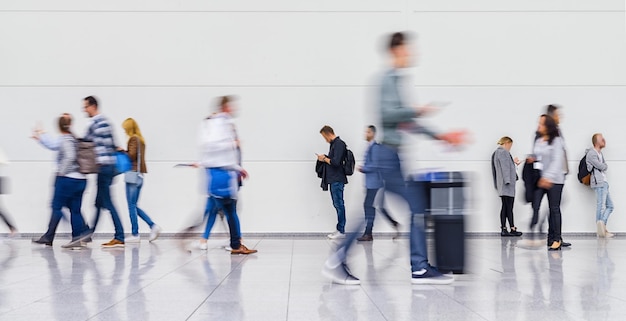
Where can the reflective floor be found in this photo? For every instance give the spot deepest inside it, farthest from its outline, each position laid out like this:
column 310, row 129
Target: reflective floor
column 160, row 281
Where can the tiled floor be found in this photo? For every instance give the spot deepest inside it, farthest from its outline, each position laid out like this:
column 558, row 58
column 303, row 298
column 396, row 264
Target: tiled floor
column 160, row 281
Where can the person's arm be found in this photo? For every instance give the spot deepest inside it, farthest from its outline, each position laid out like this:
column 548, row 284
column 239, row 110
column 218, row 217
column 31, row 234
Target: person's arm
column 49, row 142
column 132, row 149
column 502, row 161
column 593, row 159
column 339, row 150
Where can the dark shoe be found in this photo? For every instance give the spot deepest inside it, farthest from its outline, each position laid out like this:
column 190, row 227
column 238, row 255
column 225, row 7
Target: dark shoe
column 430, row 275
column 365, row 238
column 556, row 246
column 43, row 241
column 242, row 250
column 505, row 232
column 565, row 244
column 514, row 232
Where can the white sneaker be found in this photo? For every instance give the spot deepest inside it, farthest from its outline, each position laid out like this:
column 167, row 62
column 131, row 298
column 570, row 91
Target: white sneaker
column 336, row 235
column 199, row 245
column 132, row 239
column 155, row 231
column 340, row 274
column 601, row 229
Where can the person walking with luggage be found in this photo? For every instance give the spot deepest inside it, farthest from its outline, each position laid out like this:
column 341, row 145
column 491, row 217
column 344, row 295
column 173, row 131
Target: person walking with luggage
column 596, row 164
column 136, row 150
column 3, row 215
column 395, row 115
column 101, row 133
column 69, row 184
column 373, row 184
column 504, row 172
column 334, row 176
column 549, row 156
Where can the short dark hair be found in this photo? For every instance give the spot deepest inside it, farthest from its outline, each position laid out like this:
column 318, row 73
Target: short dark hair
column 327, row 130
column 397, row 39
column 92, row 101
column 372, row 128
column 551, row 109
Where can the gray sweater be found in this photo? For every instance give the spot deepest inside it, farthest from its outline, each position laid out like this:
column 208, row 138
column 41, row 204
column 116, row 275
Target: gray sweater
column 506, row 174
column 66, row 158
column 552, row 158
column 599, row 167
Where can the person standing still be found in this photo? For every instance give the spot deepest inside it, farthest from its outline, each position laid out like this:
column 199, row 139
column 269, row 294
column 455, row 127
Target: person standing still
column 596, row 164
column 335, row 177
column 504, row 170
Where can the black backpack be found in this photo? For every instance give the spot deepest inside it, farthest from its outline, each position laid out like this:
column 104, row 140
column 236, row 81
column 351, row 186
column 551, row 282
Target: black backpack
column 348, row 162
column 584, row 175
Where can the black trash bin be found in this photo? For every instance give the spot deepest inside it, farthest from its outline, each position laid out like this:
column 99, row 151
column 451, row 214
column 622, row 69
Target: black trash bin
column 446, row 208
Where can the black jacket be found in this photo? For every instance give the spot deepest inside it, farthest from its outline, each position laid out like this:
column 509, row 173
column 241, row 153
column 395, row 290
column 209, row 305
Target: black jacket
column 333, row 172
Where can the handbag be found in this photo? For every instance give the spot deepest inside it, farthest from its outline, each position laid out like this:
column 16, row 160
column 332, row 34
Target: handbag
column 122, row 162
column 135, row 177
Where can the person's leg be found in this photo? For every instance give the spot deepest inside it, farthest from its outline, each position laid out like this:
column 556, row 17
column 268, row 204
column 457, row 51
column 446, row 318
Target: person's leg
column 383, row 210
column 229, row 206
column 141, row 213
column 608, row 204
column 336, row 193
column 554, row 203
column 77, row 188
column 503, row 213
column 132, row 194
column 536, row 205
column 4, row 218
column 58, row 200
column 210, row 211
column 368, row 207
column 107, row 173
column 509, row 202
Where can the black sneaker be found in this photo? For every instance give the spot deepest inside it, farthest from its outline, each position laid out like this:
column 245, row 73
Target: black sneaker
column 514, row 232
column 505, row 232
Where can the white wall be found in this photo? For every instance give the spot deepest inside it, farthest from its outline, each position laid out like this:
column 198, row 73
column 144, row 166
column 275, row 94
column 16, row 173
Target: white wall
column 298, row 65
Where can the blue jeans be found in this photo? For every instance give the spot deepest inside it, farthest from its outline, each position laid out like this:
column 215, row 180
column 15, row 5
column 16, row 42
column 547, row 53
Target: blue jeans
column 132, row 197
column 229, row 206
column 336, row 193
column 210, row 211
column 103, row 199
column 394, row 182
column 68, row 192
column 604, row 204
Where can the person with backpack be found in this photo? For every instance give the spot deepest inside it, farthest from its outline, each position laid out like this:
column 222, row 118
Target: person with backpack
column 334, row 176
column 596, row 165
column 504, row 171
column 69, row 183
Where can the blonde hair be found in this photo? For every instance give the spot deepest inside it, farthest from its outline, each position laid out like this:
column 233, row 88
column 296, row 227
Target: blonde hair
column 504, row 140
column 132, row 129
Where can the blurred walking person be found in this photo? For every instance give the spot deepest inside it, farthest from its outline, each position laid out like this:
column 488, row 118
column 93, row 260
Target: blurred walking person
column 69, row 184
column 136, row 149
column 3, row 215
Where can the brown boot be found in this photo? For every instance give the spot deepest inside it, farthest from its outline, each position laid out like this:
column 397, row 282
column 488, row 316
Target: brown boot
column 365, row 238
column 242, row 250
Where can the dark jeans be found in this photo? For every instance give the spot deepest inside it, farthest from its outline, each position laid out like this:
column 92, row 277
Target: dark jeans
column 103, row 199
column 68, row 192
column 506, row 212
column 229, row 206
column 336, row 193
column 554, row 217
column 370, row 209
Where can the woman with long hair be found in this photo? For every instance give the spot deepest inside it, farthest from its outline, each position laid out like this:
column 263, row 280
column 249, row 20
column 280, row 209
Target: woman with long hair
column 504, row 177
column 136, row 151
column 549, row 157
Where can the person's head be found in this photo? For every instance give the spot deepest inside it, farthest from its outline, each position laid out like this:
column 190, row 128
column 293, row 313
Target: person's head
column 328, row 133
column 506, row 142
column 90, row 105
column 598, row 141
column 225, row 104
column 554, row 111
column 370, row 133
column 547, row 127
column 131, row 128
column 65, row 123
column 400, row 50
